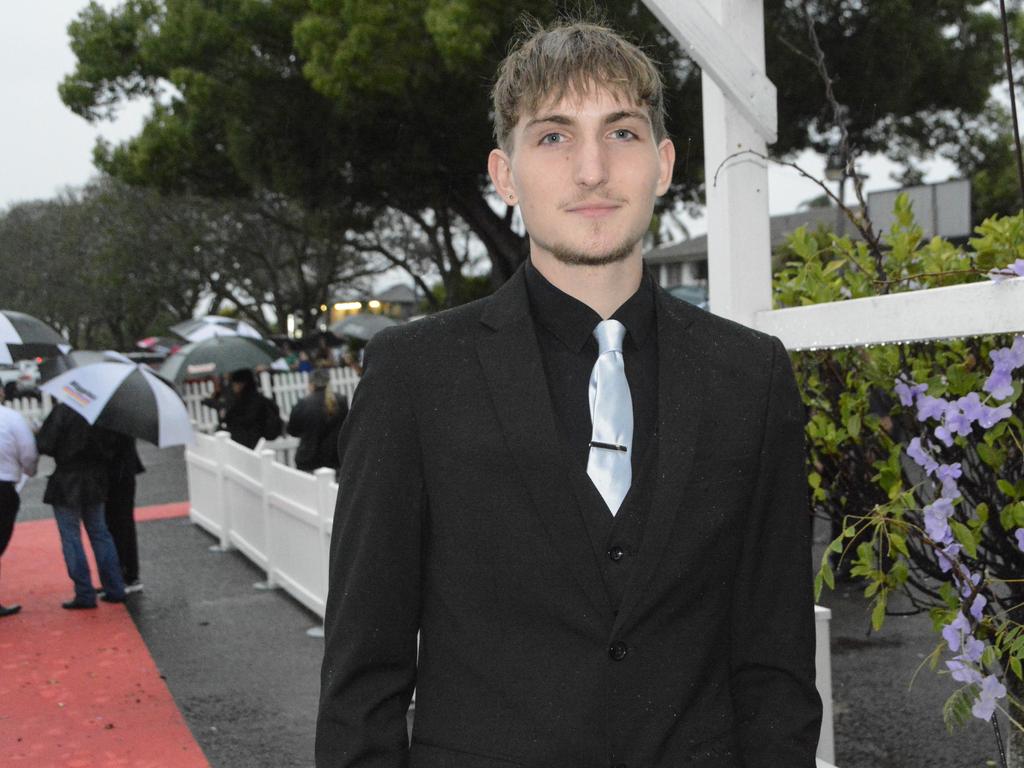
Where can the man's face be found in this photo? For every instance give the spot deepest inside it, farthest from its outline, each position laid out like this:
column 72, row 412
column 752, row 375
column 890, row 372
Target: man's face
column 585, row 172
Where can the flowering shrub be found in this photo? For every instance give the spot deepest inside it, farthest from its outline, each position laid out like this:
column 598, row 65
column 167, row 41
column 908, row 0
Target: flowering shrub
column 916, row 453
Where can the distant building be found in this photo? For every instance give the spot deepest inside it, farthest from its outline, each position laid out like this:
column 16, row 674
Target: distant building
column 398, row 301
column 686, row 263
column 942, row 209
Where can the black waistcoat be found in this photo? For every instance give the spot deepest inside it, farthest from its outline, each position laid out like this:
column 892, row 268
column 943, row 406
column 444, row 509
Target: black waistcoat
column 616, row 539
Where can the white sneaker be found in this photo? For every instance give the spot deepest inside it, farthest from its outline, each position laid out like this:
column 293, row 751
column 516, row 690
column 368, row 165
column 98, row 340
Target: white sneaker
column 135, row 586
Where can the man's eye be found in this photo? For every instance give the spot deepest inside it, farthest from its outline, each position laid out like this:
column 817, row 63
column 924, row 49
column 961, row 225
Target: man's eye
column 551, row 138
column 623, row 133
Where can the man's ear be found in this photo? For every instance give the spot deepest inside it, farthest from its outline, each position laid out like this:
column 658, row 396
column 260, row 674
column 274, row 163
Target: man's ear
column 499, row 166
column 666, row 163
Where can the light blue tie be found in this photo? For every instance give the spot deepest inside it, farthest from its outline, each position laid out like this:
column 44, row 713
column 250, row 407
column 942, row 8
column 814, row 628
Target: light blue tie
column 611, row 413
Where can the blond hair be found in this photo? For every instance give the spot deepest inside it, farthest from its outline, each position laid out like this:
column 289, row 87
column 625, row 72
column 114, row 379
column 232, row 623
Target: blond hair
column 572, row 57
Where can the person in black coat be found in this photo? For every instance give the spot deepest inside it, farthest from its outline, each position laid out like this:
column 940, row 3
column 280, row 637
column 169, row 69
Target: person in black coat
column 543, row 619
column 250, row 415
column 77, row 489
column 316, row 420
column 124, row 465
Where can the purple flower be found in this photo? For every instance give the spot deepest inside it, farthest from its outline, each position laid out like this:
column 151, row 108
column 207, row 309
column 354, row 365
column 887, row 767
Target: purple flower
column 985, row 706
column 968, row 582
column 962, row 672
column 936, row 517
column 1019, row 533
column 947, row 474
column 1017, row 267
column 992, row 416
column 907, row 391
column 943, row 436
column 958, row 422
column 1016, row 357
column 1010, row 270
column 929, row 407
column 920, row 456
column 954, row 632
column 978, row 606
column 973, row 648
column 970, row 406
column 947, row 552
column 999, row 384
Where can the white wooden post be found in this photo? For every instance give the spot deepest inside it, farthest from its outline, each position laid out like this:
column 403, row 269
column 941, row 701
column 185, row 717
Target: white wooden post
column 221, row 455
column 726, row 38
column 823, row 680
column 325, row 500
column 266, row 468
column 739, row 237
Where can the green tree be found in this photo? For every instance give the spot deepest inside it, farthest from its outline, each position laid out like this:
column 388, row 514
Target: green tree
column 359, row 108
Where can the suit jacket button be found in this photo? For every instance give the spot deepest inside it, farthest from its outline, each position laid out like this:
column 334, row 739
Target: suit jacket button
column 616, row 553
column 618, row 650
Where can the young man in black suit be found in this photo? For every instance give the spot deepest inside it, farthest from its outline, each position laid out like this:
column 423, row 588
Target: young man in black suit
column 578, row 526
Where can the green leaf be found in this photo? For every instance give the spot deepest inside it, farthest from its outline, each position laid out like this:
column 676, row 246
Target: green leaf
column 989, row 657
column 899, row 543
column 814, row 480
column 1016, row 667
column 957, row 709
column 853, row 424
column 991, row 456
column 981, row 512
column 965, row 536
column 878, row 613
column 1008, row 489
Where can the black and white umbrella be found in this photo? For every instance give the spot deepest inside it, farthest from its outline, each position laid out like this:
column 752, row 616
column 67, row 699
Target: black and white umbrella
column 23, row 336
column 124, row 396
column 208, row 327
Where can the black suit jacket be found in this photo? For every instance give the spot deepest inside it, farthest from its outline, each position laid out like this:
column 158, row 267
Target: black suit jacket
column 455, row 519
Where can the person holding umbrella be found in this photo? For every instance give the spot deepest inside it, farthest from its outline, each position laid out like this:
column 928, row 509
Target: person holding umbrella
column 18, row 456
column 124, row 465
column 77, row 490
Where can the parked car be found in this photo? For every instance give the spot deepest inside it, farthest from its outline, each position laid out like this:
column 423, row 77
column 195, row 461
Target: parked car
column 20, row 379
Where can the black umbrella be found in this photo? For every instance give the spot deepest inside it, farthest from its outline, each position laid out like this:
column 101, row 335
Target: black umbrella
column 362, row 326
column 202, row 328
column 124, row 396
column 23, row 336
column 217, row 356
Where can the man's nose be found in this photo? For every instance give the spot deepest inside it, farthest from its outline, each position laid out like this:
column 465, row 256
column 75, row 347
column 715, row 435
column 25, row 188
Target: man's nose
column 591, row 163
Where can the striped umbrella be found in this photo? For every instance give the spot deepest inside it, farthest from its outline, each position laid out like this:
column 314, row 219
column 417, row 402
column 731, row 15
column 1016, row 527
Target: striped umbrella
column 23, row 336
column 208, row 327
column 124, row 396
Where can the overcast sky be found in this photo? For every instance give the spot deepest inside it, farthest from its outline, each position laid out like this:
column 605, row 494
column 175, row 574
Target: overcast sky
column 45, row 148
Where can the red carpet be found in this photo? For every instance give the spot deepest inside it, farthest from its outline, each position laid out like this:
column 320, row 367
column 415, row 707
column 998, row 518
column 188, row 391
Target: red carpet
column 79, row 688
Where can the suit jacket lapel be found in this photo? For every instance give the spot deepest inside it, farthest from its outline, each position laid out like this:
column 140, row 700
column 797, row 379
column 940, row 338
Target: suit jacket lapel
column 517, row 382
column 681, row 388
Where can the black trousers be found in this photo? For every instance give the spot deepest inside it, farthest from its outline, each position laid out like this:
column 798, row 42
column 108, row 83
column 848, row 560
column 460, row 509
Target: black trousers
column 120, row 510
column 9, row 504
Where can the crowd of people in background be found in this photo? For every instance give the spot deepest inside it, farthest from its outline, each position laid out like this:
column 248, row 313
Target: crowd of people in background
column 92, row 486
column 94, row 477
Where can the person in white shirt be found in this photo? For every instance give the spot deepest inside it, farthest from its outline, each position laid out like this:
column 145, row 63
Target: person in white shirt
column 18, row 456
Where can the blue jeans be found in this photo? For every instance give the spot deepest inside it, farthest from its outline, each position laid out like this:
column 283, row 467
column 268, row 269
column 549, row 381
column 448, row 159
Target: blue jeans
column 68, row 524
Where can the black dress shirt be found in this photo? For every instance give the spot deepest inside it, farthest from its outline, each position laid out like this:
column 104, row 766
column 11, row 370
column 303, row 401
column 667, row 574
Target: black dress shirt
column 565, row 328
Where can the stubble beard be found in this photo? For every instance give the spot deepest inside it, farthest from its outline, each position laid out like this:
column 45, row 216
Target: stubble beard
column 578, row 258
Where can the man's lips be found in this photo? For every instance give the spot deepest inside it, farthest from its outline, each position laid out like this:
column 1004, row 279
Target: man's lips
column 594, row 210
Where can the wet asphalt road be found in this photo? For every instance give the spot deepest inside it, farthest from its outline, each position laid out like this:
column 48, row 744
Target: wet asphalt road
column 245, row 674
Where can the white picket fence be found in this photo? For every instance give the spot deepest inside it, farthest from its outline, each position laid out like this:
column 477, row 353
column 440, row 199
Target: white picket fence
column 285, row 388
column 281, row 520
